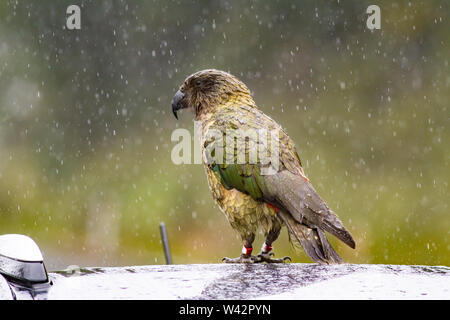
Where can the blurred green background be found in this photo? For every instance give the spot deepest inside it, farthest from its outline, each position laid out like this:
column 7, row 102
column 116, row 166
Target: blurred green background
column 85, row 123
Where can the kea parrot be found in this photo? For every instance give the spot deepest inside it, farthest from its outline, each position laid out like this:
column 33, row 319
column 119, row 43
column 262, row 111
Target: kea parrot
column 254, row 194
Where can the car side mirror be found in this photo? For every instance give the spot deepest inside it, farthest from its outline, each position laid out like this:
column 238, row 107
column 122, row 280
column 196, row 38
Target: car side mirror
column 21, row 261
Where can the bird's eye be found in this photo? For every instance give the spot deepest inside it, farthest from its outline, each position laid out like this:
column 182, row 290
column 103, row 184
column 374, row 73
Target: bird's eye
column 198, row 82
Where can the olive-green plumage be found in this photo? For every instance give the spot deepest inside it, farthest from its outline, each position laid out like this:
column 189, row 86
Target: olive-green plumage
column 249, row 196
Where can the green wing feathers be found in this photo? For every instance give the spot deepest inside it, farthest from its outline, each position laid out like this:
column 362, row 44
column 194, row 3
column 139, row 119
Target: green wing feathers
column 234, row 176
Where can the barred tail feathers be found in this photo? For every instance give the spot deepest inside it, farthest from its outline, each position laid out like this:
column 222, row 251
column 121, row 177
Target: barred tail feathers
column 313, row 241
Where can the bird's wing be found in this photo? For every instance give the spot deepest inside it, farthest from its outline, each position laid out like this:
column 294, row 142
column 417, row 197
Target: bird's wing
column 287, row 187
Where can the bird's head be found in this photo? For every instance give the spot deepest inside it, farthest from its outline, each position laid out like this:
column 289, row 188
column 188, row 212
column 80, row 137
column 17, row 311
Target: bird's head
column 207, row 90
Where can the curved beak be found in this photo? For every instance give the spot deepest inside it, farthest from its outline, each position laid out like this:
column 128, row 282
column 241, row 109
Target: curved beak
column 176, row 103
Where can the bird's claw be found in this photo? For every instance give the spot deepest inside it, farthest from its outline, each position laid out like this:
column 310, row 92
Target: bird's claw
column 242, row 259
column 262, row 257
column 266, row 257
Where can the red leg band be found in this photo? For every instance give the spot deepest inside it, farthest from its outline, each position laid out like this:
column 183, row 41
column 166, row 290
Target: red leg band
column 266, row 248
column 247, row 251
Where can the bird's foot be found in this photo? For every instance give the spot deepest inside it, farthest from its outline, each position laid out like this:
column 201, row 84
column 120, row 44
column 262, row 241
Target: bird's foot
column 267, row 257
column 243, row 258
